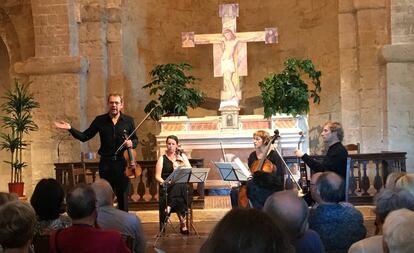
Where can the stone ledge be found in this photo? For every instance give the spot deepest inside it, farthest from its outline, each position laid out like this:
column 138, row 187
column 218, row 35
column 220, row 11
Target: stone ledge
column 398, row 53
column 52, row 65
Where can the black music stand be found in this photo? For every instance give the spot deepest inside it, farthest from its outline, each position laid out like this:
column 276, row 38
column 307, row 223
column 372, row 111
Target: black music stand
column 198, row 175
column 179, row 175
column 232, row 172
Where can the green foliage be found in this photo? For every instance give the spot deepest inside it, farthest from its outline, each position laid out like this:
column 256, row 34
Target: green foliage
column 18, row 107
column 287, row 92
column 169, row 84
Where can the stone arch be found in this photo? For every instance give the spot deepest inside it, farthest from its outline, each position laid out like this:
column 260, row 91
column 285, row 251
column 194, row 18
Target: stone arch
column 17, row 31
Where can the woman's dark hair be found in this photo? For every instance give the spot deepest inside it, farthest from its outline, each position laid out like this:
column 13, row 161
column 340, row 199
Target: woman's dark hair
column 247, row 231
column 48, row 199
column 172, row 137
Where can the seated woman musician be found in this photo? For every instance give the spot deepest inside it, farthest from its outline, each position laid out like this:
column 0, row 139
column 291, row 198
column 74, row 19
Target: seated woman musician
column 172, row 197
column 266, row 167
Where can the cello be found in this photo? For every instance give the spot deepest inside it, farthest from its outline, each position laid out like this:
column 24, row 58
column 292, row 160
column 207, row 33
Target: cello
column 263, row 164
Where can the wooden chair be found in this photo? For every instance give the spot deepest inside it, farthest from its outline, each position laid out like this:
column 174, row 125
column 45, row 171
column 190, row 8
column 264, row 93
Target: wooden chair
column 353, row 148
column 73, row 175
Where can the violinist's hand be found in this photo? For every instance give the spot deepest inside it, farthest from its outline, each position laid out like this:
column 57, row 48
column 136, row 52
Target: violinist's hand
column 128, row 143
column 62, row 125
column 299, row 153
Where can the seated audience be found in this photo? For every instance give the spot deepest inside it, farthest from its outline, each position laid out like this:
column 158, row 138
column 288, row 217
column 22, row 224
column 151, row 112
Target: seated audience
column 399, row 232
column 111, row 218
column 247, row 231
column 290, row 213
column 17, row 221
column 392, row 179
column 83, row 235
column 386, row 201
column 407, row 182
column 338, row 225
column 6, row 197
column 48, row 202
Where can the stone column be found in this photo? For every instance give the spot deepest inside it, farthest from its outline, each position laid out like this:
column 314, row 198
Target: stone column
column 399, row 57
column 57, row 73
column 363, row 28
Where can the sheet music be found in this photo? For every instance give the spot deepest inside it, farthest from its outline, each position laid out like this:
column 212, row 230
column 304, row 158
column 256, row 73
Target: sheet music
column 246, row 172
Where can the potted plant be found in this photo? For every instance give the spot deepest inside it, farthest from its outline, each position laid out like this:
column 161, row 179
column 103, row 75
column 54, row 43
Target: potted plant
column 287, row 92
column 18, row 108
column 170, row 84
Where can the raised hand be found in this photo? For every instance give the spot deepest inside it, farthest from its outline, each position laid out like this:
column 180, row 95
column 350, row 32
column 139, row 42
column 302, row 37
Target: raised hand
column 62, row 125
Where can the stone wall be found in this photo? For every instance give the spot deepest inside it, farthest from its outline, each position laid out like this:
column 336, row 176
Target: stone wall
column 77, row 51
column 363, row 30
column 399, row 57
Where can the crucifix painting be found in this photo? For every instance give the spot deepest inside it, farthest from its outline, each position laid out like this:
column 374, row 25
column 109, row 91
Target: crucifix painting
column 230, row 52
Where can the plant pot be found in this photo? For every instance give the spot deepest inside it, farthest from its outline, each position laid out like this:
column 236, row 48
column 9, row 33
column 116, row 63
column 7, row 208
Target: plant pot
column 16, row 188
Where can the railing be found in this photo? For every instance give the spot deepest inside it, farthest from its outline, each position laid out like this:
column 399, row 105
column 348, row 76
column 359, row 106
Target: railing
column 143, row 191
column 366, row 178
column 367, row 174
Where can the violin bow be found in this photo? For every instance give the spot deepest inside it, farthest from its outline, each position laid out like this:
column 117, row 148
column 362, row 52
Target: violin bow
column 139, row 125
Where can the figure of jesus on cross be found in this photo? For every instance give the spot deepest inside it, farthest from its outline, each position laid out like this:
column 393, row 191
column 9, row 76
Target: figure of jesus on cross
column 230, row 52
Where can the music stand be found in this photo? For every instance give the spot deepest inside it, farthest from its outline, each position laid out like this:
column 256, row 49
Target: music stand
column 198, row 175
column 179, row 175
column 233, row 171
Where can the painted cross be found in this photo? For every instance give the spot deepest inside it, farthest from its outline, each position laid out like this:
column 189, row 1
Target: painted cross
column 230, row 51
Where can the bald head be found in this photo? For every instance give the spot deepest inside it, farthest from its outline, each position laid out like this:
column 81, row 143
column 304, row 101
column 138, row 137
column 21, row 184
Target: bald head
column 330, row 187
column 289, row 212
column 314, row 194
column 104, row 192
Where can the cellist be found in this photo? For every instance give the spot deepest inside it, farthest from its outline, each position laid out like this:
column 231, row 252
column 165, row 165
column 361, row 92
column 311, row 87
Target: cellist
column 266, row 167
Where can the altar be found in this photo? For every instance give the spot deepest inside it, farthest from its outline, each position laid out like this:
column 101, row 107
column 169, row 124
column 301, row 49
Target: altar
column 230, row 135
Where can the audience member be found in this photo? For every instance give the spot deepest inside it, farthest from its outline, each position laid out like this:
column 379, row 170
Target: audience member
column 6, row 197
column 398, row 232
column 246, row 231
column 392, row 179
column 83, row 236
column 339, row 226
column 48, row 202
column 407, row 182
column 386, row 201
column 290, row 213
column 111, row 218
column 17, row 221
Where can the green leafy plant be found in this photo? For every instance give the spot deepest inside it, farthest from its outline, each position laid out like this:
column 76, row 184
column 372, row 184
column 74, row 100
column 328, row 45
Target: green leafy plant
column 18, row 107
column 287, row 92
column 170, row 83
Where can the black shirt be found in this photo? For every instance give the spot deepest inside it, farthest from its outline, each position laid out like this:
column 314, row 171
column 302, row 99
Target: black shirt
column 334, row 161
column 111, row 136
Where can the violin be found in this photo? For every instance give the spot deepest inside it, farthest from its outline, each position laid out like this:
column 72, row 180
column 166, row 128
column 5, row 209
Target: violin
column 132, row 168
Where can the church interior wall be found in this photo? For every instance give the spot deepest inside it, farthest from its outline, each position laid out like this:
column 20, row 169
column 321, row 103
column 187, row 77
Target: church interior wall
column 112, row 45
column 399, row 57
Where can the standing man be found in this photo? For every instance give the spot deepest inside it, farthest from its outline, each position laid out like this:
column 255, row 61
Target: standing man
column 112, row 128
column 335, row 160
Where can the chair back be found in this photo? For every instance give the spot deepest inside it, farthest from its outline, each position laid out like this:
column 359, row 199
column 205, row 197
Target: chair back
column 353, row 148
column 41, row 243
column 130, row 242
